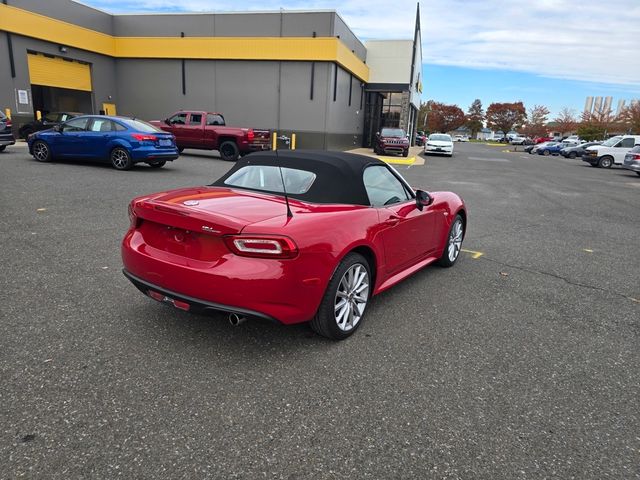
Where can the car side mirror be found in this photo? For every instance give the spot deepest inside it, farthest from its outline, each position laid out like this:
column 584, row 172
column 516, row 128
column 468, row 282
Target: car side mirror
column 423, row 199
column 166, row 120
column 377, row 134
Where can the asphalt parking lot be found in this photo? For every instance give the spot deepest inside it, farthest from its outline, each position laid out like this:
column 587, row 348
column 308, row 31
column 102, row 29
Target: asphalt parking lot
column 522, row 361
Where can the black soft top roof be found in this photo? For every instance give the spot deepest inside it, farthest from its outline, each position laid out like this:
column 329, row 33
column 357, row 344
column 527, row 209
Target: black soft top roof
column 338, row 174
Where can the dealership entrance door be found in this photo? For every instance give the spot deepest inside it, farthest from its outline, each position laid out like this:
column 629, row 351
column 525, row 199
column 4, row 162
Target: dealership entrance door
column 59, row 84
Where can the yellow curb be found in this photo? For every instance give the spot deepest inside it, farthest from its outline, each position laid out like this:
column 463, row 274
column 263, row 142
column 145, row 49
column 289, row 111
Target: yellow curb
column 495, row 144
column 398, row 161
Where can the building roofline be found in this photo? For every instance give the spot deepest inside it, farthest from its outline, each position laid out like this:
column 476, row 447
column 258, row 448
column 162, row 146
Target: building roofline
column 210, row 12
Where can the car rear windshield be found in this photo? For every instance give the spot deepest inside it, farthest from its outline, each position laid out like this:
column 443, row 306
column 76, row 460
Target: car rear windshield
column 392, row 132
column 267, row 178
column 635, row 149
column 139, row 125
column 440, row 138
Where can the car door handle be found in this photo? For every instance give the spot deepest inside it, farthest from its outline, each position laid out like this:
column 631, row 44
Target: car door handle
column 392, row 220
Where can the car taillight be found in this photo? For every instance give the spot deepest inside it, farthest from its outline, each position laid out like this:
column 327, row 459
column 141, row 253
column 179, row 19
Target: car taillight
column 636, row 156
column 144, row 138
column 251, row 135
column 261, row 246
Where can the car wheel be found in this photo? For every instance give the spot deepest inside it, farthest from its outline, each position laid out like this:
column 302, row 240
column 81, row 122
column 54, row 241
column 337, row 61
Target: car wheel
column 229, row 151
column 180, row 149
column 2, row 147
column 573, row 155
column 158, row 164
column 606, row 162
column 637, row 173
column 25, row 133
column 120, row 159
column 454, row 243
column 405, row 153
column 345, row 300
column 41, row 151
column 546, row 153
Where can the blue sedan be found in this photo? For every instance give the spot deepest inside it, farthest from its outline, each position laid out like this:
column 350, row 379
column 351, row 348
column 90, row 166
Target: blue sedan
column 120, row 141
column 552, row 148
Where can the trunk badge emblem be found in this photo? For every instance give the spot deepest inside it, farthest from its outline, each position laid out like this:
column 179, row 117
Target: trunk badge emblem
column 191, row 203
column 209, row 229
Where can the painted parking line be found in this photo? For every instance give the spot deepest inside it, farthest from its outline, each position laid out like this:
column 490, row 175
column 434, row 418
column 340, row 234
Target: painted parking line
column 487, row 159
column 398, row 161
column 474, row 254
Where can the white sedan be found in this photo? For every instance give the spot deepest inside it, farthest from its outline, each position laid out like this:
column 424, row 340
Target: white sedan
column 439, row 143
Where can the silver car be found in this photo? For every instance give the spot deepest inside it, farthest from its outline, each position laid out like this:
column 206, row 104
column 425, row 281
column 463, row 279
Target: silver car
column 632, row 160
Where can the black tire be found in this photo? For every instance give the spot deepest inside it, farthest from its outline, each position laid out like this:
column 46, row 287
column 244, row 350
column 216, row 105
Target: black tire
column 229, row 151
column 606, row 162
column 121, row 159
column 159, row 164
column 573, row 155
column 455, row 236
column 180, row 149
column 595, row 165
column 2, row 147
column 325, row 322
column 405, row 153
column 25, row 133
column 546, row 152
column 41, row 151
column 637, row 173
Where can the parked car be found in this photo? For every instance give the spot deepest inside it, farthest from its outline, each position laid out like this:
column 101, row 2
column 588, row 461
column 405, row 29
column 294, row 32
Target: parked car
column 50, row 120
column 537, row 140
column 577, row 151
column 6, row 134
column 529, row 148
column 121, row 141
column 572, row 140
column 632, row 160
column 612, row 152
column 391, row 140
column 520, row 140
column 439, row 143
column 208, row 131
column 497, row 137
column 420, row 138
column 460, row 138
column 535, row 148
column 551, row 148
column 243, row 246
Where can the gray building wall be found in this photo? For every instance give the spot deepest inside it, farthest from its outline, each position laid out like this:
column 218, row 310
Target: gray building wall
column 261, row 94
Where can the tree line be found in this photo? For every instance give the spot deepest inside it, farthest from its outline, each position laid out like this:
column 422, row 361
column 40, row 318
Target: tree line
column 534, row 122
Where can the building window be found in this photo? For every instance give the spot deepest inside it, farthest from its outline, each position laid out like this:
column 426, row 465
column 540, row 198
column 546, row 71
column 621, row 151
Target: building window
column 391, row 109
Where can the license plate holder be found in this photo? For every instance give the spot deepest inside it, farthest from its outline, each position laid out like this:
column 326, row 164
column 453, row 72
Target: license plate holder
column 164, row 142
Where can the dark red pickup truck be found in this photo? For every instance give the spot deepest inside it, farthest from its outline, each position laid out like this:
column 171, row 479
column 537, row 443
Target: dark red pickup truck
column 207, row 131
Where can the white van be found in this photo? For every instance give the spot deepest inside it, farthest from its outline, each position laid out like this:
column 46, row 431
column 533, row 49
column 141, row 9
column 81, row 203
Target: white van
column 610, row 152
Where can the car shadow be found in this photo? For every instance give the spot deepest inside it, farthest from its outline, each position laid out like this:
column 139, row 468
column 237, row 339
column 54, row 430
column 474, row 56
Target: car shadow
column 95, row 164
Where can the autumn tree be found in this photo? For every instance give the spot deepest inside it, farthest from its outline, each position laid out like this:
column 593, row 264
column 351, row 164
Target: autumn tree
column 475, row 117
column 536, row 125
column 630, row 118
column 566, row 121
column 506, row 116
column 596, row 124
column 444, row 118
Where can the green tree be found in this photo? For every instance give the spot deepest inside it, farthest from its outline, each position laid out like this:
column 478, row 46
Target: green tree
column 475, row 117
column 589, row 132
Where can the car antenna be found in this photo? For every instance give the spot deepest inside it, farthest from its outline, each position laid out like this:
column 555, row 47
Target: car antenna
column 284, row 188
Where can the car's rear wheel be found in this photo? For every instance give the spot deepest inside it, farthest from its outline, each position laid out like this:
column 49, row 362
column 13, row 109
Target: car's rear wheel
column 606, row 162
column 41, row 151
column 573, row 155
column 121, row 159
column 345, row 300
column 637, row 173
column 2, row 147
column 26, row 132
column 454, row 243
column 546, row 153
column 158, row 164
column 229, row 151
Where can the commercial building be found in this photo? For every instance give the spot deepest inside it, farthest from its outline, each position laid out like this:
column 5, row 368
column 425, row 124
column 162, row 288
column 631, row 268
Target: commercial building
column 289, row 71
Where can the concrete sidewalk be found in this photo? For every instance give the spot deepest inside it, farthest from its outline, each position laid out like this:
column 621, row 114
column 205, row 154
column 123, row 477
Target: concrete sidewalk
column 414, row 157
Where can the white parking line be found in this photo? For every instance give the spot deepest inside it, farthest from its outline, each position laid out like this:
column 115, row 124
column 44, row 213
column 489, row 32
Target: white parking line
column 485, row 159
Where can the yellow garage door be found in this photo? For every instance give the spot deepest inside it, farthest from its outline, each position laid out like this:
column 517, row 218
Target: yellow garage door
column 59, row 72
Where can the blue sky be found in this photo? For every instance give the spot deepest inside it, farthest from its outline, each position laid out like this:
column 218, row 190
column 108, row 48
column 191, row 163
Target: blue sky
column 547, row 52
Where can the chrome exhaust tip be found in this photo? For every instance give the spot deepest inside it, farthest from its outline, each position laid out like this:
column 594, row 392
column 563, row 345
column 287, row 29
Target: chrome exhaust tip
column 235, row 319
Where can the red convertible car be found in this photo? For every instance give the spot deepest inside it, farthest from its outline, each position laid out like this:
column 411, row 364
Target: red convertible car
column 290, row 236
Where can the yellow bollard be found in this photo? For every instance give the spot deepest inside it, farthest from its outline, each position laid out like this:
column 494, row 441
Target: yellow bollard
column 38, row 115
column 274, row 140
column 7, row 112
column 293, row 141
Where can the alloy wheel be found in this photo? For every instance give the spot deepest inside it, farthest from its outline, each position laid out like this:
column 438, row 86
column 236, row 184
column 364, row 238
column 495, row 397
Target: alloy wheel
column 455, row 240
column 41, row 151
column 351, row 297
column 120, row 159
